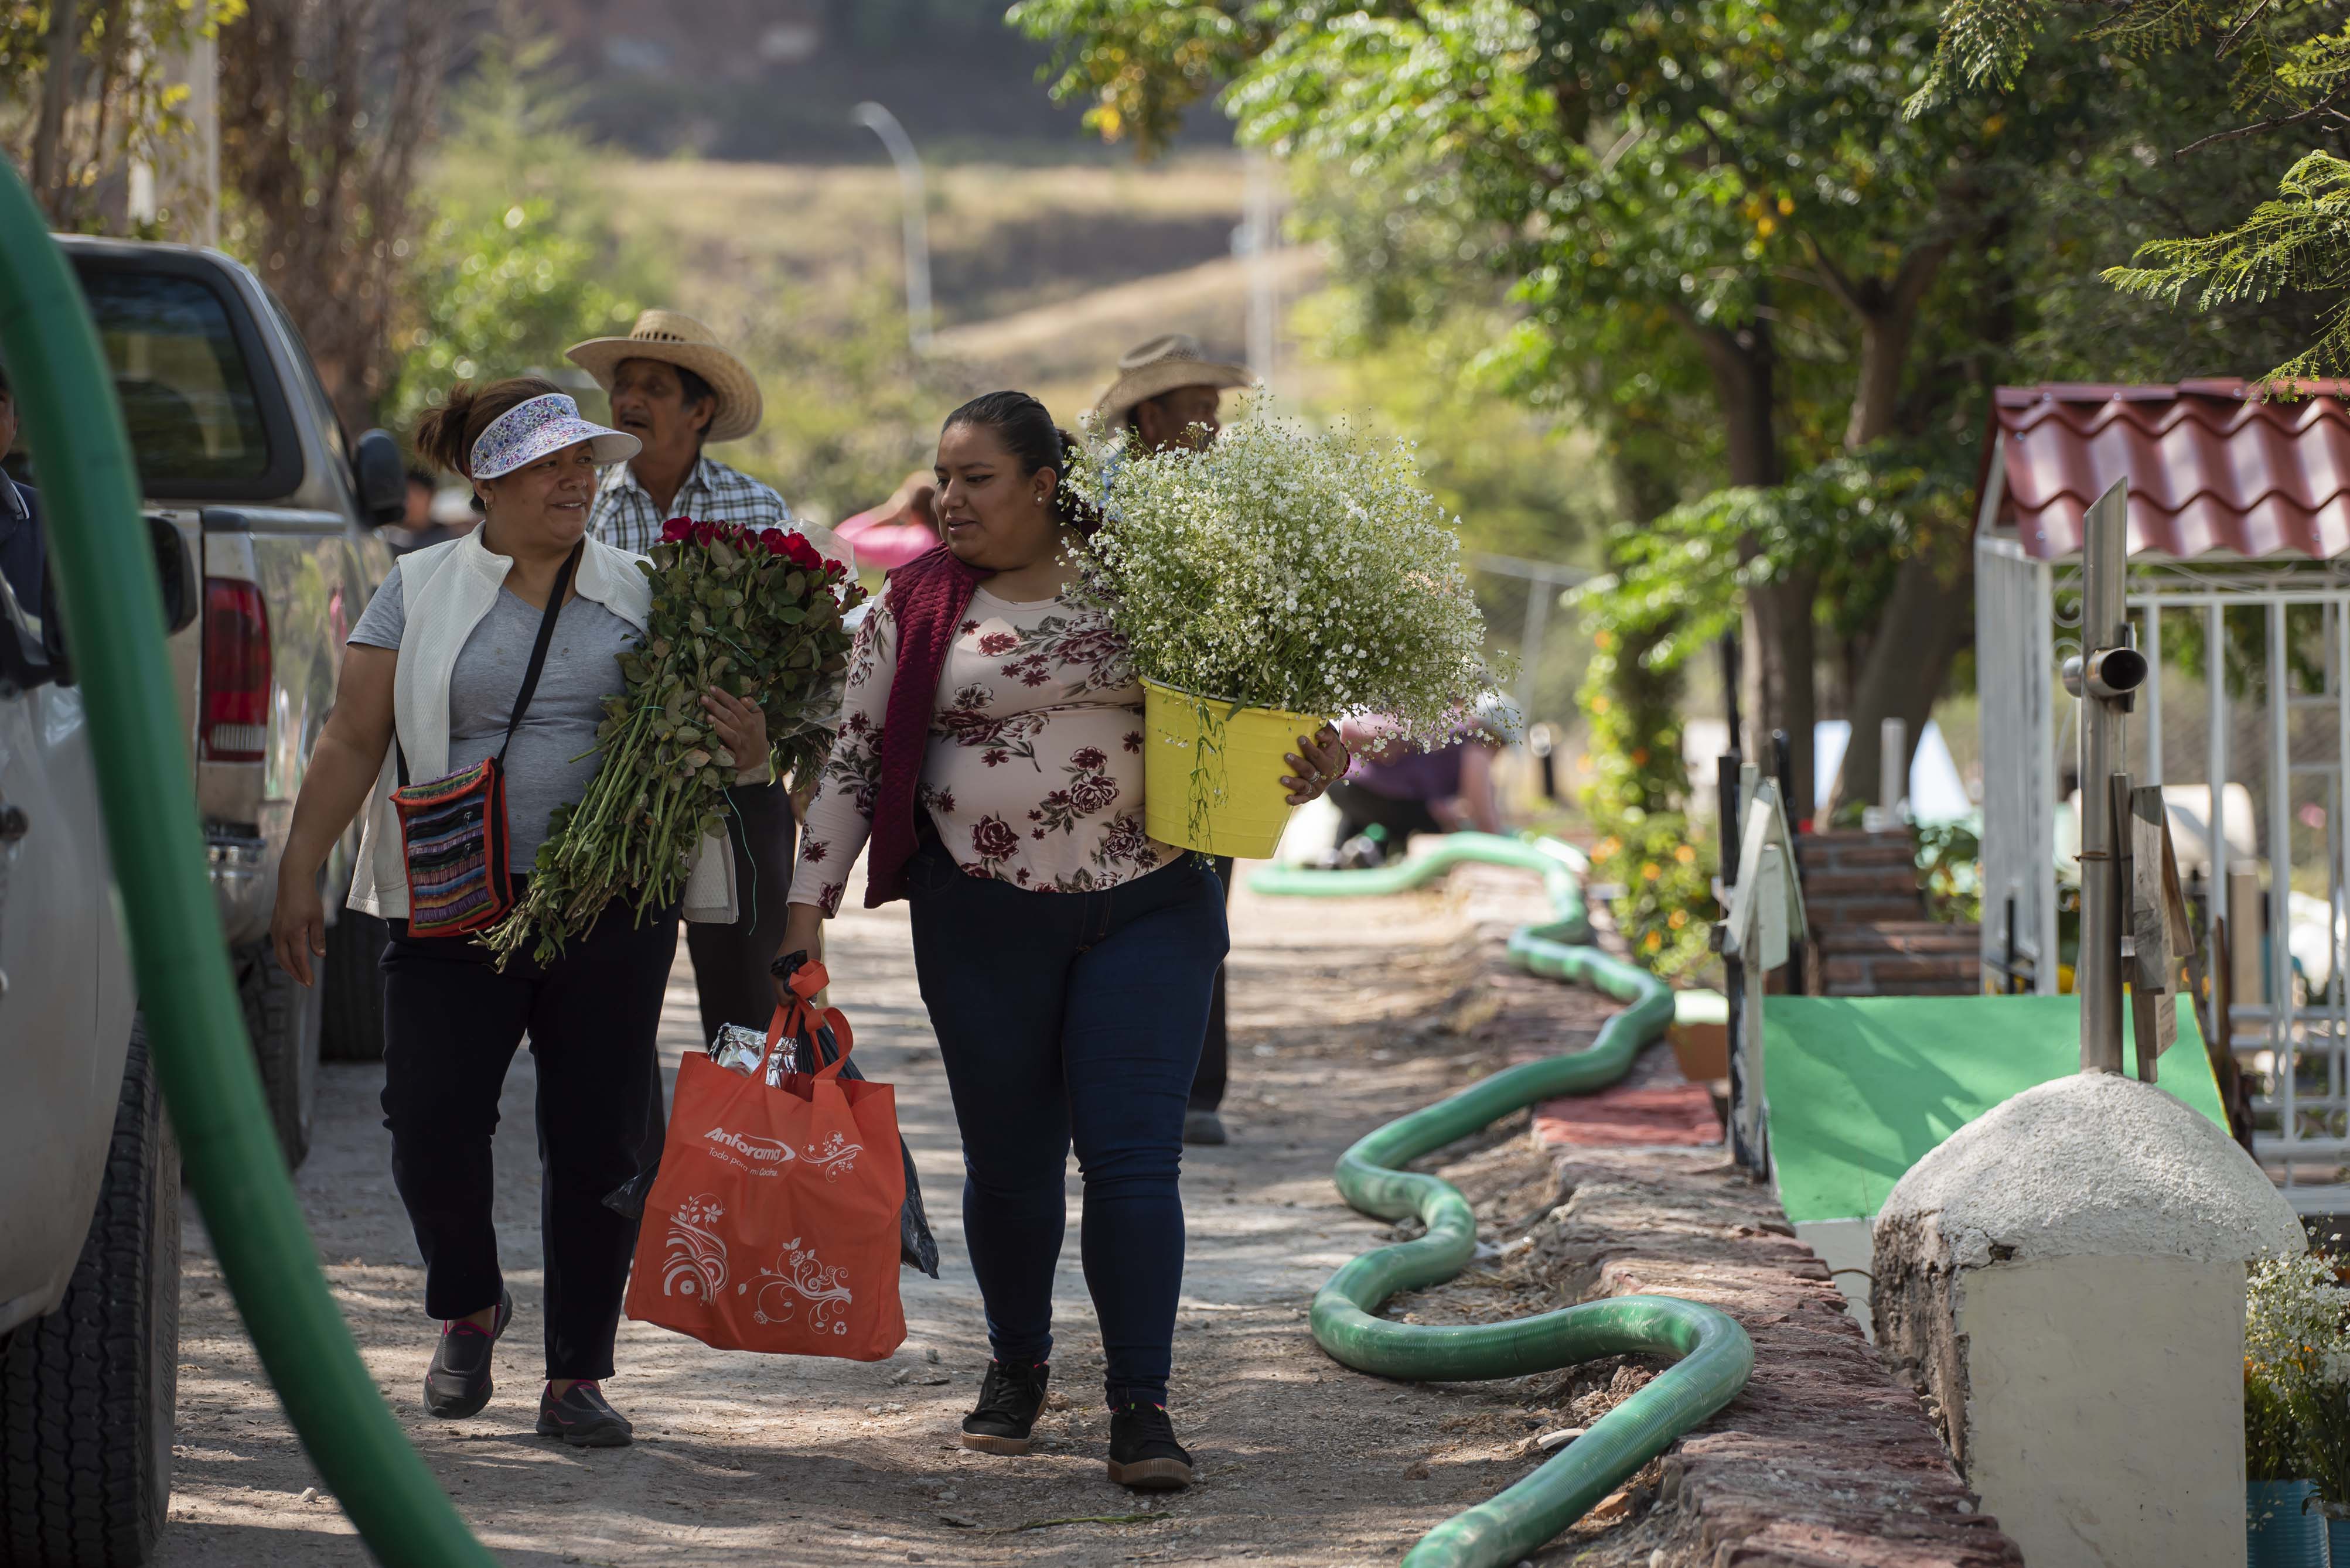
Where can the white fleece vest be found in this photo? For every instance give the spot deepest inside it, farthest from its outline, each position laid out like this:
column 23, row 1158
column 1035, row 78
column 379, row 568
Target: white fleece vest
column 446, row 591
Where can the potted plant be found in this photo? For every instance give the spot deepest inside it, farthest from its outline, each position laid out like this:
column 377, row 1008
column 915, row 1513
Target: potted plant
column 1275, row 579
column 2293, row 1342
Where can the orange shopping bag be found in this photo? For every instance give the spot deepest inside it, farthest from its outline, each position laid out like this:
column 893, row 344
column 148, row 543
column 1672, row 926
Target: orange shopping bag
column 773, row 1225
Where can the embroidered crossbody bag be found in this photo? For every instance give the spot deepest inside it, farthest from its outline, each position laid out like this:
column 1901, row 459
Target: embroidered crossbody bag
column 453, row 830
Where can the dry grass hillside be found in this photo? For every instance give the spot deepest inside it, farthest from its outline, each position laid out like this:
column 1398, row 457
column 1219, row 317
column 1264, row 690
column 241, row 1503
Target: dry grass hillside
column 1041, row 275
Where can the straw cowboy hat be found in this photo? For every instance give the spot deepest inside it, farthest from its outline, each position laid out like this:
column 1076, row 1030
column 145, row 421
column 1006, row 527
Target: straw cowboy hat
column 675, row 339
column 1158, row 368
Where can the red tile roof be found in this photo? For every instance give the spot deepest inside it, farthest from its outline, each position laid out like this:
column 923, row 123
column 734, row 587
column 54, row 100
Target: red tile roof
column 2212, row 468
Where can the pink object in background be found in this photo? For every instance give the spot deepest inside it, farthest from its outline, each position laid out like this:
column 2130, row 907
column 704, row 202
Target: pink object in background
column 887, row 546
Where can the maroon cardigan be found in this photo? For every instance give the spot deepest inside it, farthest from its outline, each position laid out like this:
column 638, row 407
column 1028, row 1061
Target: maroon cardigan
column 927, row 597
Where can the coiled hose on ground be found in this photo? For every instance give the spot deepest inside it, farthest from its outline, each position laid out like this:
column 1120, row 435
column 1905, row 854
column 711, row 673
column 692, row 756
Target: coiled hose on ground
column 1712, row 1355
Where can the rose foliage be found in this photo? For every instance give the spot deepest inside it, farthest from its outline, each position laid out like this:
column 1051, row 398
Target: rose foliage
column 755, row 612
column 1286, row 568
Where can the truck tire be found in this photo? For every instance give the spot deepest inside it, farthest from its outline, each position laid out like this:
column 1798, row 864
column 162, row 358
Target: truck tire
column 352, row 1029
column 87, row 1393
column 280, row 1018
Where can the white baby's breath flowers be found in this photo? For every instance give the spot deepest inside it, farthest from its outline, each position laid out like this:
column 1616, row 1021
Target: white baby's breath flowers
column 2293, row 1315
column 1284, row 567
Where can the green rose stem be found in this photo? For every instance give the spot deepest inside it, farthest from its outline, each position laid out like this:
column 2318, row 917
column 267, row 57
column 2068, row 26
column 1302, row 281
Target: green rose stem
column 660, row 787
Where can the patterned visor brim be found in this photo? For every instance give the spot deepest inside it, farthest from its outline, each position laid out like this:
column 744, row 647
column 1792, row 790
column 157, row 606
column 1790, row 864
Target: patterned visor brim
column 546, row 424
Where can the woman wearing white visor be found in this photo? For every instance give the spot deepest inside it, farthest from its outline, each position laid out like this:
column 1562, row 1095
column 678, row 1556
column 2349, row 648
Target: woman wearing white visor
column 503, row 644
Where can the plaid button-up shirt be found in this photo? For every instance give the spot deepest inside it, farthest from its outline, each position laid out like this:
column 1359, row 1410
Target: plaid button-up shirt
column 624, row 516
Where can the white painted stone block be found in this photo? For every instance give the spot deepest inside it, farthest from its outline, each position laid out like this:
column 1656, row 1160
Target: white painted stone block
column 2066, row 1277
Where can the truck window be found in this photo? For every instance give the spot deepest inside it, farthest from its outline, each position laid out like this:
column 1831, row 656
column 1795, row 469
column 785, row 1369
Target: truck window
column 187, row 394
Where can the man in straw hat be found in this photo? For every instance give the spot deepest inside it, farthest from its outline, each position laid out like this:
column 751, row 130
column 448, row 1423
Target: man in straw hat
column 1169, row 393
column 677, row 388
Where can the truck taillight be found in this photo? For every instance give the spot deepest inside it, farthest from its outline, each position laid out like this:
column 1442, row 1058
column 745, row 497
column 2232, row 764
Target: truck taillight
column 235, row 712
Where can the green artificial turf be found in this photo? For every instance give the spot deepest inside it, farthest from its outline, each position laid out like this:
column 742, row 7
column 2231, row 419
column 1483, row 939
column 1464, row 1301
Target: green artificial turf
column 1860, row 1088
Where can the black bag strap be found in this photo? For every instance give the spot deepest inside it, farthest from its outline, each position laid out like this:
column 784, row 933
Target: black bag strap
column 539, row 649
column 530, row 675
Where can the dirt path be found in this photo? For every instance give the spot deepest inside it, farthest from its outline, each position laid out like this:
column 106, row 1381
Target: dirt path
column 744, row 1459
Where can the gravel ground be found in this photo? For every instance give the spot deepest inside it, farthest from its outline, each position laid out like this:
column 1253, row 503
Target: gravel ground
column 1345, row 1014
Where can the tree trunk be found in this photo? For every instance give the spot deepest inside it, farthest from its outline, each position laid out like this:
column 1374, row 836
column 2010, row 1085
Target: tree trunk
column 56, row 96
column 1923, row 623
column 323, row 105
column 1780, row 643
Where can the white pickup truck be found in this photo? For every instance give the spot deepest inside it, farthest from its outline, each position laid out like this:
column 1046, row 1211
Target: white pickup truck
column 262, row 519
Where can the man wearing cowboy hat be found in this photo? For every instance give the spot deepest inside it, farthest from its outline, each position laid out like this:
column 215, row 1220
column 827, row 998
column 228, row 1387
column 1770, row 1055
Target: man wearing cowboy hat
column 676, row 389
column 1167, row 394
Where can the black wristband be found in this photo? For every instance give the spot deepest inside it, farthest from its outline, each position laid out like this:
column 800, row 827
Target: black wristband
column 784, row 967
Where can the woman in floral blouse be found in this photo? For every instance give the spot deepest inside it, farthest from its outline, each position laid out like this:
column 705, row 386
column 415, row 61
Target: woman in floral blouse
column 991, row 746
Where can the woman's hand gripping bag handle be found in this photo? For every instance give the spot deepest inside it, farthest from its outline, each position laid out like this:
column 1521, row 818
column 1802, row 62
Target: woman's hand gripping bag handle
column 773, row 1226
column 917, row 1249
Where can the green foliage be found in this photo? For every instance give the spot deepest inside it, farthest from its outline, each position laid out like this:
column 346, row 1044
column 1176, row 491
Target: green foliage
column 1666, row 908
column 127, row 107
column 519, row 260
column 1949, row 871
column 1140, row 64
column 1852, row 519
column 2284, row 67
column 749, row 612
column 2297, row 1374
column 1635, row 804
column 2299, row 242
column 2274, row 1442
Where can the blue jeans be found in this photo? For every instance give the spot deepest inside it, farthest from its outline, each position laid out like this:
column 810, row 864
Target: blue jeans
column 1071, row 1018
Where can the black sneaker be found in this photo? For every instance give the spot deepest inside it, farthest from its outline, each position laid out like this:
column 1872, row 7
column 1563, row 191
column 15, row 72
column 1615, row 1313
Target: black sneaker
column 1008, row 1402
column 582, row 1418
column 1203, row 1126
column 1143, row 1452
column 457, row 1384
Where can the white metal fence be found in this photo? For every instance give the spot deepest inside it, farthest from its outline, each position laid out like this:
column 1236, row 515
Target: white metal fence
column 2273, row 719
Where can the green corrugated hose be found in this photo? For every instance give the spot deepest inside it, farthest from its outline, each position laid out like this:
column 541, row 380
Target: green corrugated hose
column 114, row 617
column 1712, row 1355
column 1561, row 867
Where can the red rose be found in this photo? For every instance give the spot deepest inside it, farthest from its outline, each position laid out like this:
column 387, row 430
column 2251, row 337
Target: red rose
column 772, row 540
column 704, row 533
column 677, row 530
column 803, row 553
column 992, row 839
column 833, row 568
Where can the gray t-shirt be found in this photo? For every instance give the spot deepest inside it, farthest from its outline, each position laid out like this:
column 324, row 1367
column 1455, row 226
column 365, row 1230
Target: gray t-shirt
column 582, row 669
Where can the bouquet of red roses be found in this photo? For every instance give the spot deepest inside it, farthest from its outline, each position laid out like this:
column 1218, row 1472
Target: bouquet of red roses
column 757, row 612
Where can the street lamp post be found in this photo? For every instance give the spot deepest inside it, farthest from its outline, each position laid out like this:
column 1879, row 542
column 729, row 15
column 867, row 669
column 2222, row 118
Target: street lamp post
column 884, row 124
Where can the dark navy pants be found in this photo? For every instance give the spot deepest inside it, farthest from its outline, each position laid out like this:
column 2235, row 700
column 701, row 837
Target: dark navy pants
column 1072, row 1019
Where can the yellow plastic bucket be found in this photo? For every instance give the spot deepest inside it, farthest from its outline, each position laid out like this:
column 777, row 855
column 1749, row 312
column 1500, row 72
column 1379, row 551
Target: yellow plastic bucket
column 1212, row 773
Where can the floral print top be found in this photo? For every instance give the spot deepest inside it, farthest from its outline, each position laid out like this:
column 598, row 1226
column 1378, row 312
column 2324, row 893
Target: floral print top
column 1033, row 774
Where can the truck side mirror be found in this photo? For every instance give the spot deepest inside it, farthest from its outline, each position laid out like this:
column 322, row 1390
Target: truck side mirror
column 382, row 481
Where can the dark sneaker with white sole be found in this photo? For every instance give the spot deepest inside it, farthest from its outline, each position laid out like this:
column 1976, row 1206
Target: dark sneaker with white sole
column 1143, row 1452
column 1009, row 1399
column 457, row 1384
column 583, row 1418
